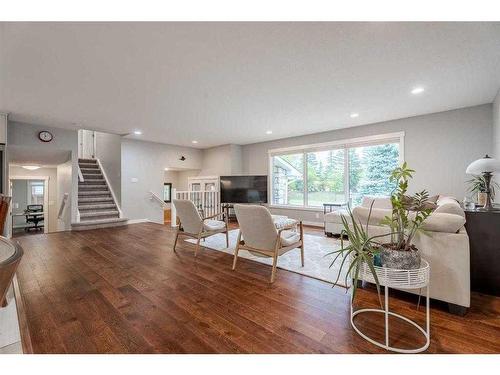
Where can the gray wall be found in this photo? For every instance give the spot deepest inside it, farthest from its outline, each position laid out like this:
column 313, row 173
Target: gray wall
column 496, row 137
column 496, row 126
column 221, row 160
column 108, row 151
column 438, row 146
column 146, row 162
column 26, row 135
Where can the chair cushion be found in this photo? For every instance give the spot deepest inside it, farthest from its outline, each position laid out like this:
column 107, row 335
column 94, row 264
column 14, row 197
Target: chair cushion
column 283, row 221
column 212, row 225
column 289, row 237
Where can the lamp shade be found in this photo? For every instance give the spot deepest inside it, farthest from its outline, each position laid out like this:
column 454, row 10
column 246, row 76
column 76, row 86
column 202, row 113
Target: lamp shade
column 483, row 165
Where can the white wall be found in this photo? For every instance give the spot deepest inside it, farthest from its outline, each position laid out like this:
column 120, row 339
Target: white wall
column 496, row 137
column 51, row 173
column 20, row 134
column 438, row 146
column 146, row 162
column 108, row 151
column 221, row 161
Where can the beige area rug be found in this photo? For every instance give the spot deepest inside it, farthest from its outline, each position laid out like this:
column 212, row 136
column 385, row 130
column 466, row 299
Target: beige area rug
column 316, row 261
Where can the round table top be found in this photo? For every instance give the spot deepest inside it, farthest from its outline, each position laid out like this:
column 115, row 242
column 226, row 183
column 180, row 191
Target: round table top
column 7, row 250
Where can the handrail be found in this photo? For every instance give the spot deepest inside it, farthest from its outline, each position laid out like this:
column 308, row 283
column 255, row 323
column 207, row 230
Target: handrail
column 154, row 196
column 80, row 175
column 109, row 187
column 63, row 206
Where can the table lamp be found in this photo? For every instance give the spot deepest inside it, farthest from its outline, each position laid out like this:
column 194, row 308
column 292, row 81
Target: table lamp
column 485, row 166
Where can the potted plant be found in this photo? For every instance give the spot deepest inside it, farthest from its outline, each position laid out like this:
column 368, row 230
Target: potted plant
column 360, row 248
column 408, row 215
column 477, row 185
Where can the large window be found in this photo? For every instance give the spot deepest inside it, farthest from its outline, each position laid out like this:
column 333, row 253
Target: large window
column 340, row 172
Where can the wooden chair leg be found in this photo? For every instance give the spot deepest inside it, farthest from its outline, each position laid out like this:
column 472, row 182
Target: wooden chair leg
column 236, row 250
column 275, row 263
column 302, row 253
column 197, row 245
column 301, row 243
column 227, row 238
column 175, row 241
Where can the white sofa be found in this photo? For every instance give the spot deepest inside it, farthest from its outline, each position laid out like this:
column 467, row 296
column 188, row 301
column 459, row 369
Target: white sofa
column 445, row 245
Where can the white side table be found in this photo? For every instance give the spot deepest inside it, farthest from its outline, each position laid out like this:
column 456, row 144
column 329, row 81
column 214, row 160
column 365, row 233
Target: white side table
column 400, row 279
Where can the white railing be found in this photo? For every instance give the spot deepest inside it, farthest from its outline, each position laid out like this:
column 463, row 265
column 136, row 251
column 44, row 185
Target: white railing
column 63, row 206
column 105, row 176
column 207, row 202
column 80, row 175
column 155, row 197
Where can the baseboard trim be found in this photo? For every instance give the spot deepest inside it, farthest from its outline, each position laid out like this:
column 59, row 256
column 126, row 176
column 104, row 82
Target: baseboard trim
column 136, row 221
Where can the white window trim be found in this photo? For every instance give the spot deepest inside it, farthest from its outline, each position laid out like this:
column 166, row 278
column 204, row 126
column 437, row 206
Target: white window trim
column 338, row 144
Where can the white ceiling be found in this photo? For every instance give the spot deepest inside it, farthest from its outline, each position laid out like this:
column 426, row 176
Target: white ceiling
column 222, row 83
column 38, row 156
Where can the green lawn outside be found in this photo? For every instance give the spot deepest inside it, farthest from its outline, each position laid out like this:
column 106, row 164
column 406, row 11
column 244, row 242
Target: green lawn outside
column 315, row 199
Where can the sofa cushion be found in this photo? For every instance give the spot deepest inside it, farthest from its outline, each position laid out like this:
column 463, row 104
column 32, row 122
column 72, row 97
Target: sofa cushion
column 449, row 205
column 443, row 222
column 378, row 202
column 361, row 214
column 436, row 222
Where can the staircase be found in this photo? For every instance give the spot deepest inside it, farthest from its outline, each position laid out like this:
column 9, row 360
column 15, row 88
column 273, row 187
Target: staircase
column 96, row 205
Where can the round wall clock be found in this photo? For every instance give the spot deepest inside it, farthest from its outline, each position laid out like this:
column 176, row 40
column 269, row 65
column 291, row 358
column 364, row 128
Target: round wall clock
column 45, row 136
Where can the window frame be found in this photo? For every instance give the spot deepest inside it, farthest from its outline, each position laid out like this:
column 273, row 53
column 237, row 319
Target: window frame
column 345, row 144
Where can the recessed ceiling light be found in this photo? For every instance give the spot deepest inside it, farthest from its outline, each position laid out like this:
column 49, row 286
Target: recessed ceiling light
column 269, row 132
column 31, row 167
column 137, row 132
column 166, row 169
column 194, row 142
column 417, row 90
column 354, row 115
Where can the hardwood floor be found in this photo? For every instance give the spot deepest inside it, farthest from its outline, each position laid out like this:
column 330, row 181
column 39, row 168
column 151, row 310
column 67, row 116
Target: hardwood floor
column 123, row 290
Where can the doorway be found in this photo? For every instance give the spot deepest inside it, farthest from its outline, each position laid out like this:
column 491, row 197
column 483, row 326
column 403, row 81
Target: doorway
column 86, row 144
column 29, row 205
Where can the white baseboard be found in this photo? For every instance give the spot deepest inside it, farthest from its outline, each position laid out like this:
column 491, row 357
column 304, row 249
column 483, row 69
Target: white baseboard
column 136, row 221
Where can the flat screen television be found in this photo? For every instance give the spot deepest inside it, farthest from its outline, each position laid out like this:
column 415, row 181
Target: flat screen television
column 243, row 189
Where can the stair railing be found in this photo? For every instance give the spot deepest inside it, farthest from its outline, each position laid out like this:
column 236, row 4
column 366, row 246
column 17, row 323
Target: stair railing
column 80, row 175
column 206, row 201
column 63, row 206
column 110, row 188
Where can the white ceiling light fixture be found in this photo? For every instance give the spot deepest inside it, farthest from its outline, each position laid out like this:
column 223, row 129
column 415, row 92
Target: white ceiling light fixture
column 31, row 167
column 269, row 132
column 417, row 90
column 354, row 115
column 137, row 132
column 195, row 142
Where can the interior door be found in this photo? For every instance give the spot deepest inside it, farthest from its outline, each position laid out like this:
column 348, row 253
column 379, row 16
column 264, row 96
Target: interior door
column 87, row 144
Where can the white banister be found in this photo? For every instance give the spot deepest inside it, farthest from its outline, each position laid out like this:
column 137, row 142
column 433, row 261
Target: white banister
column 206, row 201
column 63, row 206
column 173, row 210
column 109, row 187
column 155, row 197
column 80, row 175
